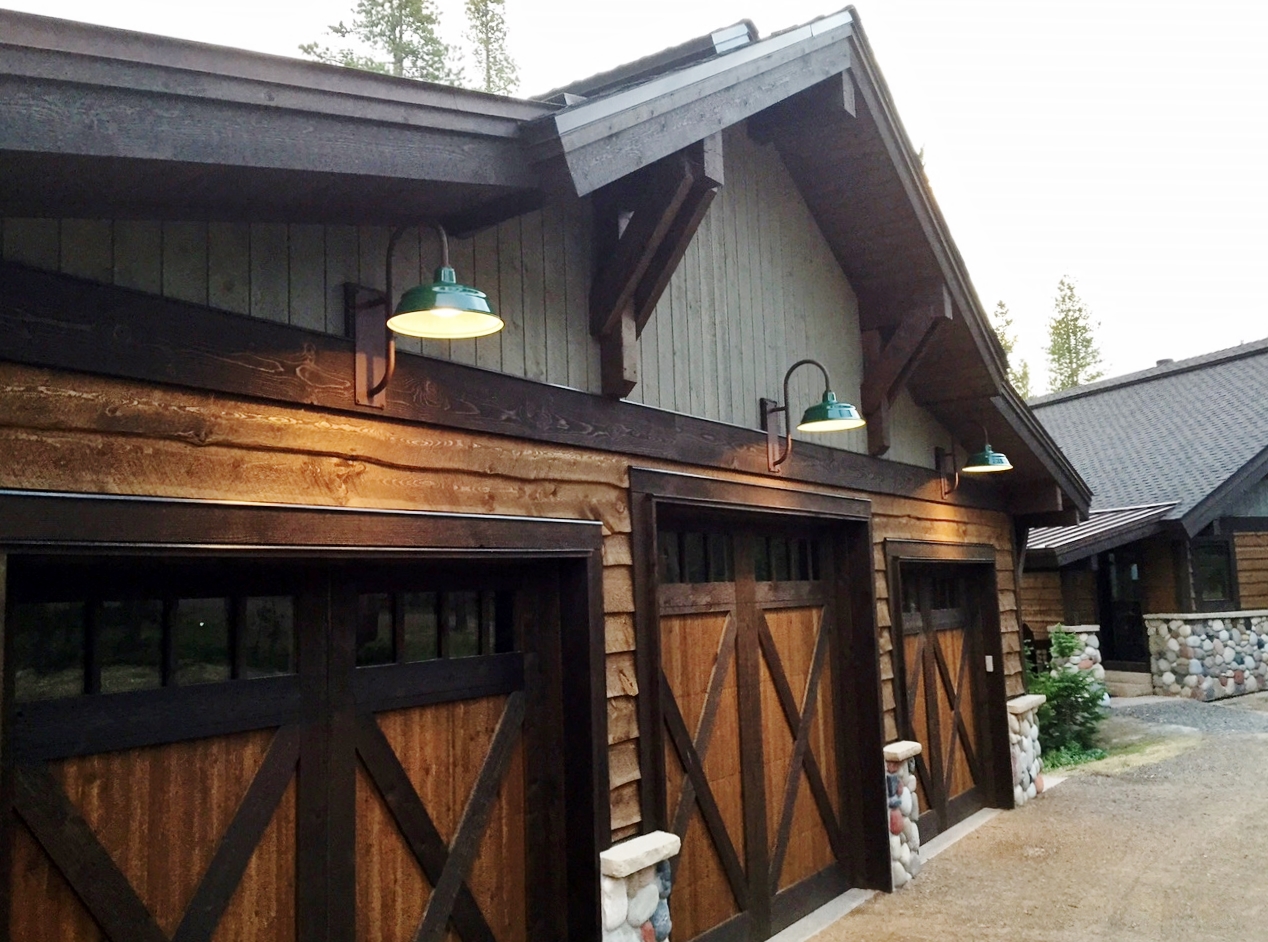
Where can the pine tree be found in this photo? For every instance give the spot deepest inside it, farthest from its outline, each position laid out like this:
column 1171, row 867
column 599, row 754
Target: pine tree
column 1073, row 356
column 400, row 38
column 1002, row 322
column 486, row 31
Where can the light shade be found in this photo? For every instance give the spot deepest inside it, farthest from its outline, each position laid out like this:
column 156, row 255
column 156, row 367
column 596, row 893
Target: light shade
column 830, row 416
column 444, row 310
column 986, row 461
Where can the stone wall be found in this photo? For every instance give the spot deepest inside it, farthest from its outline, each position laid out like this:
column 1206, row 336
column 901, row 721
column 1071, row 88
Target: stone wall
column 1088, row 657
column 636, row 879
column 1209, row 655
column 904, row 811
column 1023, row 740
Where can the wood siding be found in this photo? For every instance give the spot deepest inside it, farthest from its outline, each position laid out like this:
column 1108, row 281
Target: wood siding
column 758, row 289
column 1042, row 604
column 1158, row 575
column 73, row 432
column 1252, row 569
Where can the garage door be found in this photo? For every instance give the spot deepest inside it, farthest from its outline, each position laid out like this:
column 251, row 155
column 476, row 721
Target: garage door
column 748, row 641
column 943, row 686
column 208, row 749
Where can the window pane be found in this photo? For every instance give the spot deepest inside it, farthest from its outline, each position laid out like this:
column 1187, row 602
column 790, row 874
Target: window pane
column 670, row 565
column 797, row 560
column 421, row 636
column 463, row 624
column 130, row 644
column 761, row 559
column 695, row 566
column 1211, row 573
column 779, row 559
column 719, row 547
column 374, row 629
column 267, row 636
column 200, row 640
column 48, row 650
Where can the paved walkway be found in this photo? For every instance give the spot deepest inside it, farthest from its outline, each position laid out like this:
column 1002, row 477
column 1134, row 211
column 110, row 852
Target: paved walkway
column 1165, row 840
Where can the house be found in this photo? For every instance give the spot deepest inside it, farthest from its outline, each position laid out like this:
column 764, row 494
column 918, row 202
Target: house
column 1177, row 457
column 313, row 636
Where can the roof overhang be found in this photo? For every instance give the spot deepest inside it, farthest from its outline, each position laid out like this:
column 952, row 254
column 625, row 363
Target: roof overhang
column 1104, row 530
column 99, row 121
column 1224, row 497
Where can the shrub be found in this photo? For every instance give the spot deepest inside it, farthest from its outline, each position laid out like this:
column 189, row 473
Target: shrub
column 1069, row 719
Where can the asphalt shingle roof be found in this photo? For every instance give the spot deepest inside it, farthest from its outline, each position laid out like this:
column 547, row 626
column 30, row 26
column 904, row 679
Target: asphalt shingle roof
column 1173, row 433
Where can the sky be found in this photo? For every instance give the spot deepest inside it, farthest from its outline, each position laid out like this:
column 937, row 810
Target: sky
column 1117, row 142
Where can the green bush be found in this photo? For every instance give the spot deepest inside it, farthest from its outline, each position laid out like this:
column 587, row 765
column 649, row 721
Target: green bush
column 1069, row 719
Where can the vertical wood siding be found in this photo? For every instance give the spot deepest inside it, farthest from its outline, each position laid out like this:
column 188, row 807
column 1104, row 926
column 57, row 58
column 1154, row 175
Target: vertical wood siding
column 1252, row 569
column 79, row 433
column 535, row 269
column 758, row 289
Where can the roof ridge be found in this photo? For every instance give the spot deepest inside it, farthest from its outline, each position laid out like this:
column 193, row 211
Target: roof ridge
column 1201, row 361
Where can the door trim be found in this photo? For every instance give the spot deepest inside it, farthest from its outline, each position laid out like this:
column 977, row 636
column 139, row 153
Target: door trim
column 58, row 522
column 997, row 766
column 849, row 521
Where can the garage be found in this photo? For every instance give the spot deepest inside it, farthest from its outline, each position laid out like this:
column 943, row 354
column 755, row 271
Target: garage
column 252, row 745
column 762, row 713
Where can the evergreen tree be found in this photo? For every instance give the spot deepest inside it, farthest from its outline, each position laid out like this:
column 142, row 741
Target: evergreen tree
column 1073, row 356
column 396, row 37
column 1002, row 322
column 486, row 31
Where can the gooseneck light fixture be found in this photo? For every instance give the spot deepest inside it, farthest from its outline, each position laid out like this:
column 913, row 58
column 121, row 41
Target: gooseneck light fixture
column 442, row 310
column 828, row 415
column 986, row 461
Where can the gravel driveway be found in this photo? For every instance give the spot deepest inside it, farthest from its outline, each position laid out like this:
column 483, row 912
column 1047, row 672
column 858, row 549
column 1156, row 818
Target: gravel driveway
column 1165, row 840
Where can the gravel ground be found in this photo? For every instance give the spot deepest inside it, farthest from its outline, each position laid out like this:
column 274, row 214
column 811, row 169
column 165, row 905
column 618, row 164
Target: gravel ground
column 1161, row 841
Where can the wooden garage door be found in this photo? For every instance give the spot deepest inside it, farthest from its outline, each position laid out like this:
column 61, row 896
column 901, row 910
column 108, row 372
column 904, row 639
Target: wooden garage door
column 226, row 751
column 747, row 639
column 942, row 686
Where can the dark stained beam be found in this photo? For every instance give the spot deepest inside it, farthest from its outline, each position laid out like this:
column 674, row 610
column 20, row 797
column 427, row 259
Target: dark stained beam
column 886, row 367
column 652, row 216
column 654, row 220
column 707, row 168
column 72, row 324
column 1036, row 499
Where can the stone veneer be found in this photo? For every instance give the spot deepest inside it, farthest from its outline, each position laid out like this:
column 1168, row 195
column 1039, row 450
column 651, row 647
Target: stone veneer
column 1088, row 658
column 1023, row 739
column 904, row 810
column 1209, row 655
column 636, row 878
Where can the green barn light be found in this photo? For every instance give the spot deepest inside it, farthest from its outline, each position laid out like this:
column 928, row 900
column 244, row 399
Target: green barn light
column 986, row 461
column 827, row 415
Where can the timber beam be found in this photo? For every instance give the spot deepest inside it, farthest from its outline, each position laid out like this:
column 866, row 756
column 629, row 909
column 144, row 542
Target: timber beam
column 644, row 229
column 887, row 362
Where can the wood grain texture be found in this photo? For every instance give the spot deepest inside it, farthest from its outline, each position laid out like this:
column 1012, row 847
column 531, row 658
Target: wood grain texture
column 442, row 748
column 1252, row 569
column 1042, row 605
column 263, row 906
column 689, row 651
column 58, row 915
column 132, row 798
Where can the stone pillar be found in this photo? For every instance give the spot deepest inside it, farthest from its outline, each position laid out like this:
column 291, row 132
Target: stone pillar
column 1208, row 656
column 1023, row 740
column 636, row 878
column 904, row 811
column 1088, row 658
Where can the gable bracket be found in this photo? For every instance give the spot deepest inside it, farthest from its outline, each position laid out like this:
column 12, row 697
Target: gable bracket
column 886, row 365
column 653, row 220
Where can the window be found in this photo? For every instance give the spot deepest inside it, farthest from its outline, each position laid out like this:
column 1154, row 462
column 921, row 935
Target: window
column 402, row 627
column 1212, row 576
column 695, row 557
column 144, row 643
